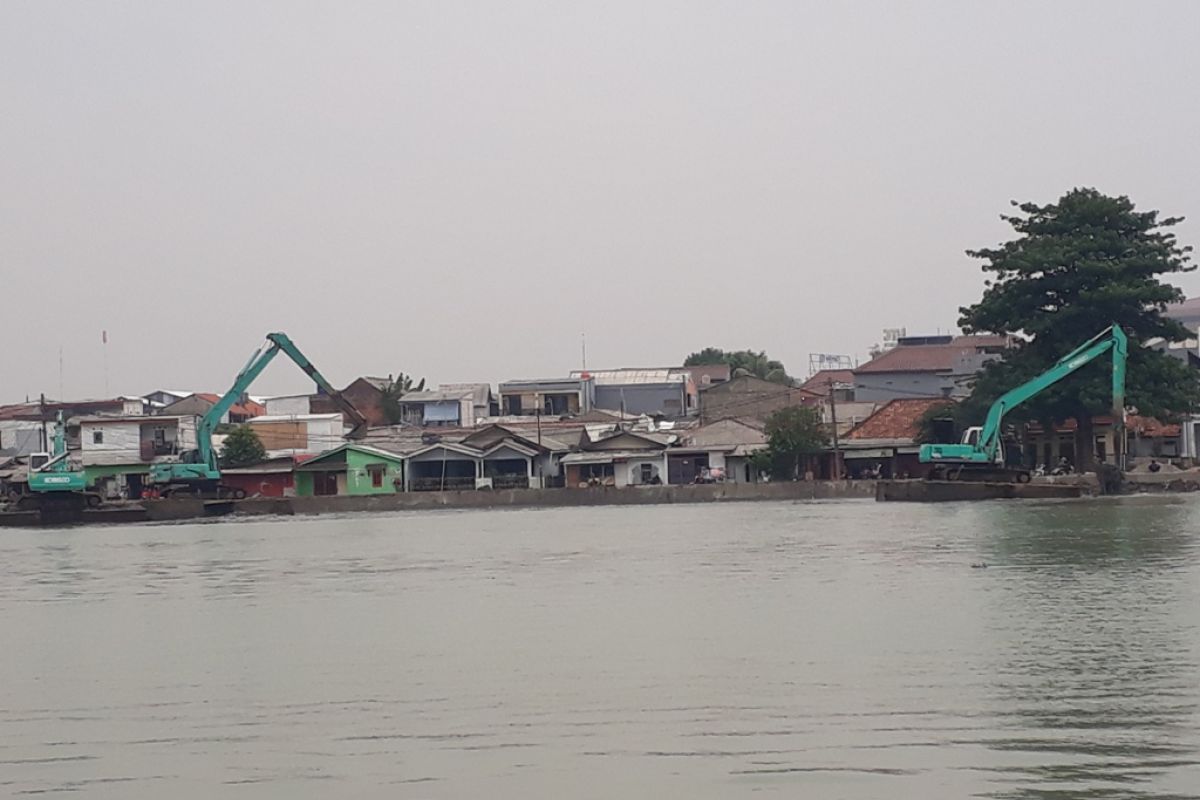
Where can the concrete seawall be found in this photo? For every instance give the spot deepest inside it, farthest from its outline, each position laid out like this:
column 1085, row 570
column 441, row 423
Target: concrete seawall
column 918, row 491
column 562, row 498
column 185, row 509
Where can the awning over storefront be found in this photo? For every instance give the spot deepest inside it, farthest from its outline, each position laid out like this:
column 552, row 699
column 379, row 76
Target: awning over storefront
column 878, row 453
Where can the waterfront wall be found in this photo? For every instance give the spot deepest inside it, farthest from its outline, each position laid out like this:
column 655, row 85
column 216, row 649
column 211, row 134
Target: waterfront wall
column 557, row 498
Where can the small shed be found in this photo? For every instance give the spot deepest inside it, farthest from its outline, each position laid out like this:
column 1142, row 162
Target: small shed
column 274, row 477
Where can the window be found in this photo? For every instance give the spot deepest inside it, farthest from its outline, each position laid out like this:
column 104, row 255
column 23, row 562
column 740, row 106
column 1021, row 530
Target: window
column 97, row 437
column 556, row 405
column 1101, row 448
column 160, row 436
column 596, row 471
column 376, row 477
column 647, row 473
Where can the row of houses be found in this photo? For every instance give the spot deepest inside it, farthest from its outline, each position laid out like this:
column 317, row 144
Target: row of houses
column 617, row 428
column 576, row 454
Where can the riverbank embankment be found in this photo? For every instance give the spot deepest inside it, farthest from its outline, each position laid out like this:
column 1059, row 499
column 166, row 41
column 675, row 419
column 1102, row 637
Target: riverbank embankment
column 184, row 509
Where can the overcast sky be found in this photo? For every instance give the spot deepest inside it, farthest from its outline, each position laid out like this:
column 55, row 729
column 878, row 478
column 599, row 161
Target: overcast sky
column 459, row 190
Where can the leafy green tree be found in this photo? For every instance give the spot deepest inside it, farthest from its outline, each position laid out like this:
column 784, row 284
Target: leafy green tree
column 707, row 356
column 792, row 434
column 395, row 389
column 741, row 362
column 1075, row 267
column 242, row 448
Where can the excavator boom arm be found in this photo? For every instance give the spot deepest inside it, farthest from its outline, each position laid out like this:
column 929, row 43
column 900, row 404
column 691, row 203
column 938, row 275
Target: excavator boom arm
column 1113, row 339
column 276, row 343
column 358, row 421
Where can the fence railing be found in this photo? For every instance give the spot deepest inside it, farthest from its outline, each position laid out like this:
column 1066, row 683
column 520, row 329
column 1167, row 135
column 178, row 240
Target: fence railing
column 440, row 484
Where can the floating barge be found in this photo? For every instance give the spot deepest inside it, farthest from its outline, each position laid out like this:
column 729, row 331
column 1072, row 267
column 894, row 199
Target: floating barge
column 921, row 491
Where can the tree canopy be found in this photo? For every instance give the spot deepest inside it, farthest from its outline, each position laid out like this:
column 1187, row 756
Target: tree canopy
column 395, row 389
column 242, row 448
column 741, row 362
column 1074, row 268
column 792, row 434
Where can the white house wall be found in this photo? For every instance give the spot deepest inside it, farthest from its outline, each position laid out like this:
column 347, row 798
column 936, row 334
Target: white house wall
column 326, row 434
column 122, row 443
column 123, row 440
column 287, row 406
column 630, row 472
column 22, row 437
column 185, row 435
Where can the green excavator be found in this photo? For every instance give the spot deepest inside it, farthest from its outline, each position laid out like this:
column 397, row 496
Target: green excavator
column 197, row 473
column 980, row 456
column 55, row 484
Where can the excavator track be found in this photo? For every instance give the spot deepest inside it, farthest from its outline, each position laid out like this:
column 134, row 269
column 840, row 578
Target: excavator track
column 976, row 473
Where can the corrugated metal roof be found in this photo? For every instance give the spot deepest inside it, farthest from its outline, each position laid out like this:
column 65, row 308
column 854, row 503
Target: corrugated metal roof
column 606, row 456
column 627, row 377
column 481, row 393
column 138, row 418
column 438, row 396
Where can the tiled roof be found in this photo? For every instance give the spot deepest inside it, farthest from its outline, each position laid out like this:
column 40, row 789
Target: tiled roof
column 1145, row 427
column 898, row 419
column 819, row 382
column 931, row 357
column 246, row 409
column 19, row 411
column 915, row 358
column 1151, row 428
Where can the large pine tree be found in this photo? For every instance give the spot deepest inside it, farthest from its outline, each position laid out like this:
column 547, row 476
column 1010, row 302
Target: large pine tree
column 1075, row 267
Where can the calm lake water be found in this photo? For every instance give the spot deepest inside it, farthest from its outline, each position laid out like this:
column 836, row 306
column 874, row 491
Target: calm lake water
column 823, row 650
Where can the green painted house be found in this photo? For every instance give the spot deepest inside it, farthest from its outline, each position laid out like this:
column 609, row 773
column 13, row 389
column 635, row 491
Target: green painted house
column 352, row 469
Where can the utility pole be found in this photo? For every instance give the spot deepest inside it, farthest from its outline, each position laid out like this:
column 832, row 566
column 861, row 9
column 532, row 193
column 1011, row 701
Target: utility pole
column 104, row 341
column 837, row 449
column 538, row 395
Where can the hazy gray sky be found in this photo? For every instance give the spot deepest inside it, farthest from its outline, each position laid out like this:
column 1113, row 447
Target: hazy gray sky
column 457, row 190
